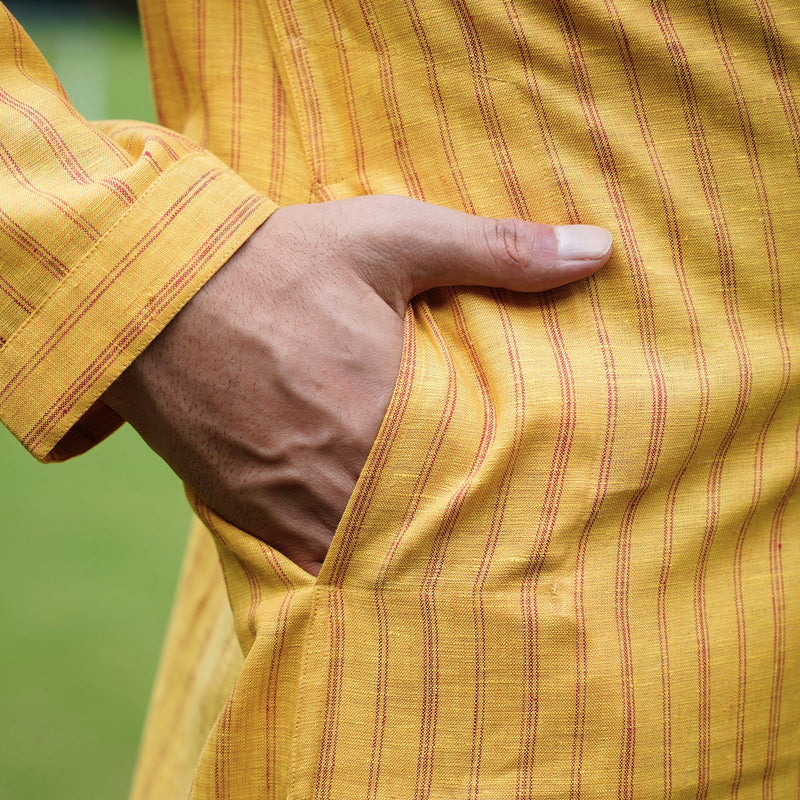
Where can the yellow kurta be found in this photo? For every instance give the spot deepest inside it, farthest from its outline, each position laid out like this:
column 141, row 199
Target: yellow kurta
column 571, row 565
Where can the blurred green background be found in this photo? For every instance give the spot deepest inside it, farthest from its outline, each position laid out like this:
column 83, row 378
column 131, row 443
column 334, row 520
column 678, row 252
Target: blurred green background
column 91, row 548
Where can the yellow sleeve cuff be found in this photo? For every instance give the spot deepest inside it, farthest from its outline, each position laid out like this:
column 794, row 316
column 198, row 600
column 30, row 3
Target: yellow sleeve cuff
column 116, row 299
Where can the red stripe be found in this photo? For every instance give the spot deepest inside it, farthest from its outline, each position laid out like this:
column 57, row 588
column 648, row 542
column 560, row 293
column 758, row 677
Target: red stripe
column 277, row 659
column 50, row 136
column 488, row 109
column 781, row 77
column 222, row 727
column 781, row 72
column 526, row 59
column 203, row 89
column 236, row 85
column 225, row 723
column 144, row 133
column 309, row 104
column 174, row 75
column 33, row 247
column 490, row 546
column 353, row 117
column 91, row 297
column 526, row 780
column 74, row 216
column 120, row 188
column 669, row 210
column 393, row 106
column 604, row 472
column 434, row 567
column 407, row 380
column 442, row 118
column 277, row 153
column 15, row 296
column 778, row 622
column 54, row 88
column 21, row 45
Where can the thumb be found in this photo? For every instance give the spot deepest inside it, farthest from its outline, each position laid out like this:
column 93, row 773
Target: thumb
column 422, row 246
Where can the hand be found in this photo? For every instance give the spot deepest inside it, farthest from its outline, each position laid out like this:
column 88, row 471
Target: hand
column 266, row 391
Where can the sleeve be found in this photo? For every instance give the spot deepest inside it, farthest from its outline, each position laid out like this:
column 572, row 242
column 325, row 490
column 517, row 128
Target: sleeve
column 106, row 231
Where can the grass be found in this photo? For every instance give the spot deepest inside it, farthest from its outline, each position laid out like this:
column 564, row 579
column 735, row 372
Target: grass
column 91, row 548
column 91, row 551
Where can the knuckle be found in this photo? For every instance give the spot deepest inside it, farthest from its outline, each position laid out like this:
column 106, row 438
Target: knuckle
column 509, row 243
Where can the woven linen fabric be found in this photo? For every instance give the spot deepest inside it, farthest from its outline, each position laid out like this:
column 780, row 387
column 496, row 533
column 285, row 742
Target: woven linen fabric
column 571, row 565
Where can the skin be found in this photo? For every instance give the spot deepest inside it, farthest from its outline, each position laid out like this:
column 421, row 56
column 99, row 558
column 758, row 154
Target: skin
column 266, row 392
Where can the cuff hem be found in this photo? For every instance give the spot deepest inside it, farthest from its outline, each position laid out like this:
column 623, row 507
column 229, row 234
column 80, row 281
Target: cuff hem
column 114, row 302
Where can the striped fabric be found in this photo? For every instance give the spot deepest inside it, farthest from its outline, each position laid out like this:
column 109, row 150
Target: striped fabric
column 571, row 565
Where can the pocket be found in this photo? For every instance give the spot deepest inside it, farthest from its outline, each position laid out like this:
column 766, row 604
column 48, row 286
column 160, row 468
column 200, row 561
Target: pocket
column 350, row 527
column 237, row 545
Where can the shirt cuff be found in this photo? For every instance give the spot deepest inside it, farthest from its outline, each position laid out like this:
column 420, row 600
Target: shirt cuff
column 116, row 300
